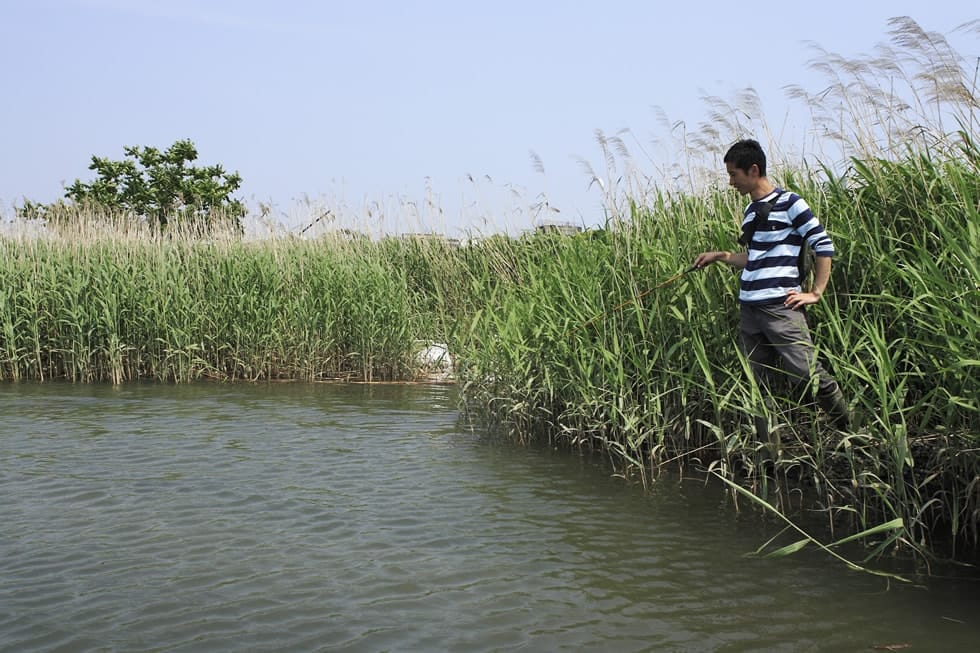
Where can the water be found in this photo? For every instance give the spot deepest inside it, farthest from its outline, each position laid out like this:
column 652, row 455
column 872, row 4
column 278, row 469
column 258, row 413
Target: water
column 368, row 518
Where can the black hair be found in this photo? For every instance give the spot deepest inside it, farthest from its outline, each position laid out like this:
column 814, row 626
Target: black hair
column 746, row 153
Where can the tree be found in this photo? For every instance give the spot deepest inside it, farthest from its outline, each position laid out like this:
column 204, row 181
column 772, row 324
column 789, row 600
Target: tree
column 159, row 187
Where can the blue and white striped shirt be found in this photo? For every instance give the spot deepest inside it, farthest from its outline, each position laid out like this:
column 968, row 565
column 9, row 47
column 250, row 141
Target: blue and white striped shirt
column 771, row 271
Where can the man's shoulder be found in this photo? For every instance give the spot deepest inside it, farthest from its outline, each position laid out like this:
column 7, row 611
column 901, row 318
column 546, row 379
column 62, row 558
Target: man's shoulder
column 786, row 197
column 790, row 203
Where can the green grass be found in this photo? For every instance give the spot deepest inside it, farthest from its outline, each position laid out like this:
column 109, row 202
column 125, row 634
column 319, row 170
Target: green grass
column 660, row 377
column 119, row 309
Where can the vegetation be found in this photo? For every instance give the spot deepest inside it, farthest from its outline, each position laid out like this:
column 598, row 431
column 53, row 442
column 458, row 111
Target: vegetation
column 657, row 377
column 92, row 306
column 575, row 339
column 152, row 185
column 661, row 379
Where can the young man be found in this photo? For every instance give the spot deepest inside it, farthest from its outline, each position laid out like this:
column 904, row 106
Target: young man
column 772, row 325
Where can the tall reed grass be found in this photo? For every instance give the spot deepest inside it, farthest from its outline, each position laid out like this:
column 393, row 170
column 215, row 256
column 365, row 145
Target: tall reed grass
column 92, row 307
column 661, row 379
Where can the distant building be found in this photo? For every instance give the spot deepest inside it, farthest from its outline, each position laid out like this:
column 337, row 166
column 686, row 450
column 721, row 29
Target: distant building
column 431, row 237
column 564, row 229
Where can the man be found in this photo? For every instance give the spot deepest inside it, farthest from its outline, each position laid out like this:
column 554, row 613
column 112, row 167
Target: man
column 772, row 324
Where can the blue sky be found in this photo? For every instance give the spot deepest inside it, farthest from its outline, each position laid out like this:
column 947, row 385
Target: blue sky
column 481, row 110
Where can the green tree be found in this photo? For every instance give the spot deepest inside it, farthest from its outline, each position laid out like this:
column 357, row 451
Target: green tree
column 160, row 186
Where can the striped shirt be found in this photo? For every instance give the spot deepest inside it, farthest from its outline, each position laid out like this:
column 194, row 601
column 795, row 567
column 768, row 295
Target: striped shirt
column 771, row 271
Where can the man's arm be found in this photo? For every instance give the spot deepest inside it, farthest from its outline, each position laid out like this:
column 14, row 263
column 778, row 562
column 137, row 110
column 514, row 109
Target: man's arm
column 821, row 277
column 736, row 260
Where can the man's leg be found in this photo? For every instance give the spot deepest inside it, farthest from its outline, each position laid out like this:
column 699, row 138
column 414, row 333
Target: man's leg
column 763, row 361
column 787, row 331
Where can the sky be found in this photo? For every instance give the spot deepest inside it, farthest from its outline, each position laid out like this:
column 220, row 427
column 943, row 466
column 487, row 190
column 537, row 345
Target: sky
column 433, row 115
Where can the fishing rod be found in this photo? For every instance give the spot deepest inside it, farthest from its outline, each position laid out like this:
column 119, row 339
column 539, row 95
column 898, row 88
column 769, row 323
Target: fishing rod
column 665, row 282
column 320, row 217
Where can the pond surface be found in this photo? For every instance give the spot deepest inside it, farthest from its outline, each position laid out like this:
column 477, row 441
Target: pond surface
column 297, row 517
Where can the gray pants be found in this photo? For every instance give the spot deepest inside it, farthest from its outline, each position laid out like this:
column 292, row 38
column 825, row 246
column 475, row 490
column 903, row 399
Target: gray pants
column 777, row 343
column 776, row 340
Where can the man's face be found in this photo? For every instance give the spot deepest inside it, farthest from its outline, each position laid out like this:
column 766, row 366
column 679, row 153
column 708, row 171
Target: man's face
column 743, row 182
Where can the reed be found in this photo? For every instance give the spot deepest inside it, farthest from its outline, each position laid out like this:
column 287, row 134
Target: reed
column 660, row 380
column 657, row 377
column 108, row 307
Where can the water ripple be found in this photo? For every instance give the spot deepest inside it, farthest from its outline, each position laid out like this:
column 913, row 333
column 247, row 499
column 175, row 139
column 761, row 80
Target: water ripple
column 317, row 518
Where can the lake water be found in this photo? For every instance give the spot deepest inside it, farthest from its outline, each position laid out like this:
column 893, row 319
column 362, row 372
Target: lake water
column 306, row 517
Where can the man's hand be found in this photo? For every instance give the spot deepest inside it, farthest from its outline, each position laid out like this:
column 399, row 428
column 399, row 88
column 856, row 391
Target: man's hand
column 707, row 258
column 797, row 300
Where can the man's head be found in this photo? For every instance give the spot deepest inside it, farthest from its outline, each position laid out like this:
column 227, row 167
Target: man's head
column 747, row 153
column 746, row 165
